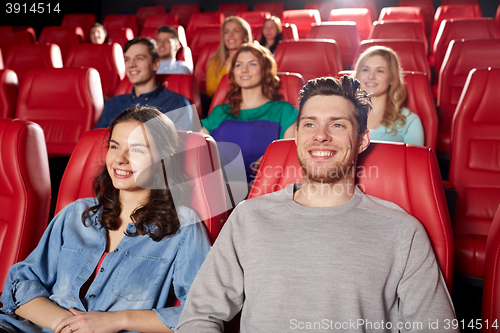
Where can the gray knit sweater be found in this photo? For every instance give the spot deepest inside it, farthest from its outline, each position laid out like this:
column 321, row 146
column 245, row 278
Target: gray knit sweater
column 364, row 266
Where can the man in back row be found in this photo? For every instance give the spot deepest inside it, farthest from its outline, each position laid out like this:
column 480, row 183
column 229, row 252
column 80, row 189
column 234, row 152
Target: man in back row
column 141, row 63
column 167, row 40
column 321, row 255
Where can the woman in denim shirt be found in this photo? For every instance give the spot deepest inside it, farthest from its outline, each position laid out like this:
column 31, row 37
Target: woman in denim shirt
column 113, row 262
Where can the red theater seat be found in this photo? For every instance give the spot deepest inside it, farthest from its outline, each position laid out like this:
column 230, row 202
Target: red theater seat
column 427, row 8
column 368, row 4
column 411, row 53
column 84, row 21
column 399, row 30
column 154, row 21
column 23, row 58
column 475, row 169
column 232, row 9
column 24, row 191
column 359, row 15
column 65, row 102
column 64, row 37
column 8, row 93
column 182, row 84
column 120, row 35
column 296, row 57
column 405, row 13
column 275, row 8
column 198, row 20
column 462, row 56
column 324, row 8
column 344, row 33
column 407, row 175
column 200, row 68
column 303, row 19
column 143, row 13
column 15, row 35
column 255, row 19
column 106, row 58
column 205, row 35
column 201, row 163
column 121, row 21
column 290, row 32
column 185, row 11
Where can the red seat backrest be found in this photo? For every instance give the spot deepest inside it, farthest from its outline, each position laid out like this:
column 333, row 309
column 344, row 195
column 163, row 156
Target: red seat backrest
column 303, row 19
column 407, row 175
column 275, row 8
column 200, row 68
column 157, row 20
column 406, row 13
column 15, row 35
column 399, row 30
column 344, row 33
column 84, row 21
column 462, row 56
column 26, row 57
column 295, row 57
column 359, row 15
column 106, row 58
column 368, row 4
column 290, row 32
column 120, row 35
column 475, row 28
column 254, row 18
column 65, row 102
column 8, row 93
column 182, row 84
column 24, row 191
column 475, row 168
column 232, row 9
column 121, row 21
column 64, row 37
column 427, row 8
column 324, row 8
column 143, row 13
column 203, row 36
column 198, row 20
column 185, row 11
column 200, row 161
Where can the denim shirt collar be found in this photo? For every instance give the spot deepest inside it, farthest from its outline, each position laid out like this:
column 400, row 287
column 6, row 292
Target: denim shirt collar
column 149, row 95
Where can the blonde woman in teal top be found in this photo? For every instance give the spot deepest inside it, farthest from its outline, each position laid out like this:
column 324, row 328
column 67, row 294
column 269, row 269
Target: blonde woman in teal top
column 378, row 71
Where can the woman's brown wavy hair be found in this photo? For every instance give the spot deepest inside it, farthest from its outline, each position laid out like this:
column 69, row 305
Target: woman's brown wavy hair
column 396, row 95
column 270, row 81
column 158, row 217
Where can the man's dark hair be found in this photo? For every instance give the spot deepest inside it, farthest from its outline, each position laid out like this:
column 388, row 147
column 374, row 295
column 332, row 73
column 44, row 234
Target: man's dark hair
column 169, row 29
column 347, row 87
column 150, row 43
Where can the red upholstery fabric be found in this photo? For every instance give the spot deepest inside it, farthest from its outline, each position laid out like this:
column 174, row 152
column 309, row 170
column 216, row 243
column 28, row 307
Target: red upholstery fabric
column 8, row 93
column 407, row 175
column 275, row 8
column 144, row 12
column 106, row 58
column 310, row 57
column 12, row 35
column 84, row 21
column 419, row 100
column 399, row 30
column 303, row 19
column 201, row 164
column 200, row 68
column 232, row 9
column 462, row 56
column 368, row 4
column 121, row 21
column 23, row 58
column 290, row 32
column 324, row 8
column 24, row 191
column 490, row 311
column 198, row 20
column 1, row 60
column 120, row 35
column 157, row 20
column 185, row 11
column 291, row 84
column 475, row 168
column 450, row 12
column 406, row 13
column 182, row 84
column 255, row 18
column 411, row 53
column 344, row 33
column 64, row 37
column 460, row 2
column 475, row 28
column 65, row 102
column 427, row 8
column 203, row 36
column 257, row 32
column 359, row 15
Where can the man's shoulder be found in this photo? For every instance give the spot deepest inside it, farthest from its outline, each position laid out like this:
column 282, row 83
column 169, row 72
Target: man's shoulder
column 267, row 201
column 170, row 95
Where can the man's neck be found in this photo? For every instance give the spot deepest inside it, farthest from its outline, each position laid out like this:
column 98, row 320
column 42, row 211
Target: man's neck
column 324, row 195
column 144, row 88
column 166, row 58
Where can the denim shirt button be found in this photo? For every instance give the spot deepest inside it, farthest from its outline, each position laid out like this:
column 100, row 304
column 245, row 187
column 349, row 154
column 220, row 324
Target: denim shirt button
column 92, row 296
column 102, row 269
column 116, row 250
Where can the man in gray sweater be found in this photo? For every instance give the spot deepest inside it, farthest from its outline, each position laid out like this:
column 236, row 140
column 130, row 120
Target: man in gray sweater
column 322, row 256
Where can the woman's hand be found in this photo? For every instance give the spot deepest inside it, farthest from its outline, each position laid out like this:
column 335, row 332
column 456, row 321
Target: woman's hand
column 93, row 321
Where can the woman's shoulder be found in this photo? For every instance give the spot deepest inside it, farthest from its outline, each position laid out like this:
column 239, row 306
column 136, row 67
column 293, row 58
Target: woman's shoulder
column 409, row 115
column 187, row 216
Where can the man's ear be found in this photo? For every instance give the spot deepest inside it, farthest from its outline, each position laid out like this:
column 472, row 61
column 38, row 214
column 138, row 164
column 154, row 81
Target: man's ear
column 156, row 64
column 364, row 141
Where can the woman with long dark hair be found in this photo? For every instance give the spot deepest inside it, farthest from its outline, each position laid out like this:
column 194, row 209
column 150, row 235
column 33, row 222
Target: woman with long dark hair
column 272, row 33
column 114, row 262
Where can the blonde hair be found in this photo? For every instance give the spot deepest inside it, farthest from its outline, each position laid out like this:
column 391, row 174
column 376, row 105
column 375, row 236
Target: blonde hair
column 396, row 95
column 222, row 52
